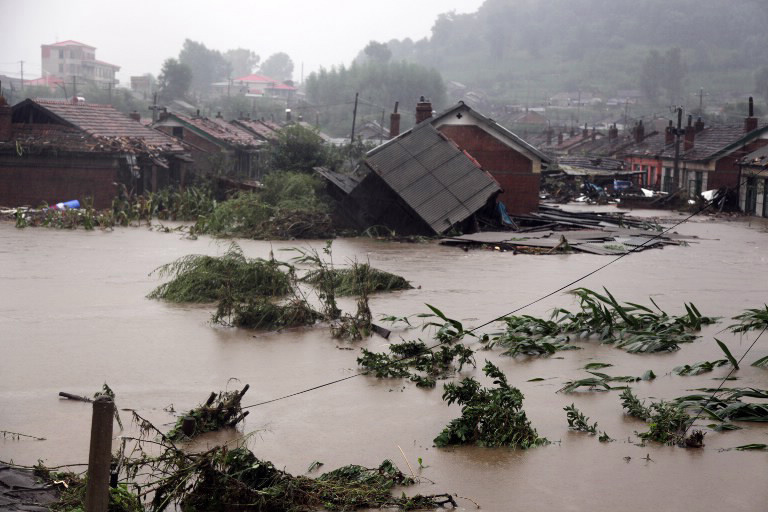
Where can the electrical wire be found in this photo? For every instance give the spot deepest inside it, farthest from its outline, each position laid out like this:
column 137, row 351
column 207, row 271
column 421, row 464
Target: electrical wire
column 550, row 294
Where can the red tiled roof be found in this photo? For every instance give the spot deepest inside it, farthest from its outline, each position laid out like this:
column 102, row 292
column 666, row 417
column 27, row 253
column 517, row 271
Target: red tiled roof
column 257, row 79
column 260, row 128
column 270, row 83
column 70, row 42
column 106, row 121
column 220, row 129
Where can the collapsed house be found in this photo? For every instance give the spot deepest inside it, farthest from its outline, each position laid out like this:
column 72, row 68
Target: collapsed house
column 448, row 171
column 53, row 151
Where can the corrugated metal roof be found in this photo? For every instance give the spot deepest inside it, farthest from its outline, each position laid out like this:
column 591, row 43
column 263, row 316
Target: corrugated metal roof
column 439, row 182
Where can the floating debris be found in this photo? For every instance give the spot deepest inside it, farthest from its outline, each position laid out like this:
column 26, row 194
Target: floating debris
column 219, row 411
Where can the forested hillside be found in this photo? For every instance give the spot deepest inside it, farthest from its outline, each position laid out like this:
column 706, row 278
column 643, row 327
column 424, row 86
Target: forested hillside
column 527, row 50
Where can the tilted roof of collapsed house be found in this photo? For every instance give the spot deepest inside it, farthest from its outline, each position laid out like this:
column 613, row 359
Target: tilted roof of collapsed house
column 441, row 183
column 88, row 127
column 215, row 129
column 709, row 143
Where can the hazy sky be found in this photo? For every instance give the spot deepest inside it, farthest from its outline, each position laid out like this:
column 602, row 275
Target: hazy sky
column 139, row 35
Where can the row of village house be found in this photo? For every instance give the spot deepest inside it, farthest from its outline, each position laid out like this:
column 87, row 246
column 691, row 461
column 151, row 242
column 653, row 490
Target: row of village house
column 439, row 174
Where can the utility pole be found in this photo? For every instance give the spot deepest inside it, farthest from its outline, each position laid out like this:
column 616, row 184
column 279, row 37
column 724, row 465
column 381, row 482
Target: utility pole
column 701, row 101
column 354, row 119
column 678, row 132
column 74, row 88
column 21, row 62
column 626, row 113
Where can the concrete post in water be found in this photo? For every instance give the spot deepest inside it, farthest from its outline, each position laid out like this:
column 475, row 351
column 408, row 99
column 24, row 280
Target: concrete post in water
column 100, row 455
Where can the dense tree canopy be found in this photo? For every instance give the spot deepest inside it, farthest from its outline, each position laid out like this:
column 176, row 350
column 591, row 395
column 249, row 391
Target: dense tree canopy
column 509, row 47
column 207, row 66
column 278, row 66
column 242, row 62
column 174, row 80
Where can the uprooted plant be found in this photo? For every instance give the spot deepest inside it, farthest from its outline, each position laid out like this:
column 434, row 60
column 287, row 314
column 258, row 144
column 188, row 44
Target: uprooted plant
column 632, row 327
column 420, row 362
column 726, row 404
column 235, row 479
column 667, row 421
column 221, row 410
column 601, row 382
column 489, row 416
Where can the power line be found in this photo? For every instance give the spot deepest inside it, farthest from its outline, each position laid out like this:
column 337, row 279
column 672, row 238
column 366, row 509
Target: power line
column 550, row 294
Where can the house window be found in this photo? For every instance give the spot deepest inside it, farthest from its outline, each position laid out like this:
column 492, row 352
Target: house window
column 61, row 54
column 61, row 68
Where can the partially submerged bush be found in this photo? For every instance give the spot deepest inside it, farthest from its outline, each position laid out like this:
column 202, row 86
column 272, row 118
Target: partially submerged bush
column 290, row 206
column 348, row 281
column 199, row 278
column 261, row 313
column 489, row 416
column 667, row 421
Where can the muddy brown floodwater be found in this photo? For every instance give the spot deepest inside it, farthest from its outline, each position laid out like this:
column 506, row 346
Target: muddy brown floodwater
column 73, row 315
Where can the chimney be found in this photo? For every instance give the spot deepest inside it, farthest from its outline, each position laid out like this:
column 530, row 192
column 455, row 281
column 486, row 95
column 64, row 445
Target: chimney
column 394, row 122
column 163, row 114
column 218, row 115
column 750, row 122
column 135, row 116
column 550, row 131
column 197, row 114
column 690, row 135
column 6, row 128
column 669, row 134
column 559, row 138
column 423, row 110
column 639, row 132
column 594, row 133
column 287, row 115
column 585, row 132
column 613, row 132
column 698, row 125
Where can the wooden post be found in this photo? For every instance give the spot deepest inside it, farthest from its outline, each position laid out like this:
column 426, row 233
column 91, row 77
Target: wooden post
column 100, row 455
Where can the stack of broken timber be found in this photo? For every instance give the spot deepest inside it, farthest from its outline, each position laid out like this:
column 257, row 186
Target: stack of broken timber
column 560, row 231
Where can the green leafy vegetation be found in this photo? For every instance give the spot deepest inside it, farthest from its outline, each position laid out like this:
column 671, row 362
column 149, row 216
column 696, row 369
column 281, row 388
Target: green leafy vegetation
column 667, row 422
column 577, row 421
column 531, row 336
column 751, row 320
column 728, row 406
column 489, row 416
column 421, row 363
column 698, row 368
column 346, row 280
column 200, row 278
column 601, row 382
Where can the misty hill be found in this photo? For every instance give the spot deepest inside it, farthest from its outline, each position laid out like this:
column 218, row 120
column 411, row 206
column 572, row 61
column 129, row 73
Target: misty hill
column 528, row 50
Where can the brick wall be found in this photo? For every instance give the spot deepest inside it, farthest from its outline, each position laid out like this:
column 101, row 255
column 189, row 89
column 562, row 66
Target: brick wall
column 513, row 170
column 30, row 180
column 727, row 168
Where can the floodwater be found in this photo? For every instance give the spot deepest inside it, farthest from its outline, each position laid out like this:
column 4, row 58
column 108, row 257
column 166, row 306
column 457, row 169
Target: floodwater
column 73, row 315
